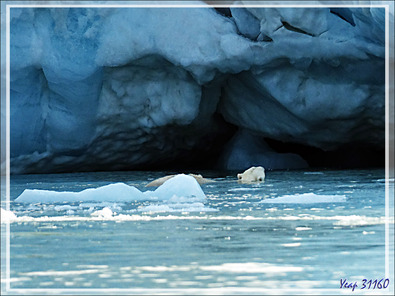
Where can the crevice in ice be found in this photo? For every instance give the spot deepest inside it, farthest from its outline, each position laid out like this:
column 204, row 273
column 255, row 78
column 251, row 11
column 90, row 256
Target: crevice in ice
column 295, row 29
column 225, row 11
column 264, row 38
column 345, row 14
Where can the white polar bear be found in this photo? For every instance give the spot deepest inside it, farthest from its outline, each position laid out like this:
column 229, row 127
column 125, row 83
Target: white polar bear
column 160, row 181
column 253, row 174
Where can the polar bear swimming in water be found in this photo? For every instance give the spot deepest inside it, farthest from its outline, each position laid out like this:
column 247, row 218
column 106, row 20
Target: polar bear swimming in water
column 199, row 178
column 253, row 174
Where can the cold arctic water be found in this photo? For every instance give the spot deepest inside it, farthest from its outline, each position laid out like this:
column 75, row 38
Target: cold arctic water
column 297, row 230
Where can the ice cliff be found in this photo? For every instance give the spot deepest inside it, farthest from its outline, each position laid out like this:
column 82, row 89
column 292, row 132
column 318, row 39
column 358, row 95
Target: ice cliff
column 135, row 88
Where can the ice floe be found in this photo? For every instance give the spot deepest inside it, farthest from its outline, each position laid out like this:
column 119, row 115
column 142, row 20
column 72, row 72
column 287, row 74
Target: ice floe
column 104, row 213
column 181, row 186
column 111, row 192
column 306, row 198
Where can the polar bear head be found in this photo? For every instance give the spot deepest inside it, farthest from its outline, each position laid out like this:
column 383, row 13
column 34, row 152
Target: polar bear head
column 253, row 174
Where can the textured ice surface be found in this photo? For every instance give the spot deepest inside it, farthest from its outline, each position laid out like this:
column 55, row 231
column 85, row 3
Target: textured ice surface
column 116, row 88
column 306, row 198
column 181, row 187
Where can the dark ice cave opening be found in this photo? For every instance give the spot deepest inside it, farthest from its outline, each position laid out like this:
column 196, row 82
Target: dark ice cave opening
column 350, row 156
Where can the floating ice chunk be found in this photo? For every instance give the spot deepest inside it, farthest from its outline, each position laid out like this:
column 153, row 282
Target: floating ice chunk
column 306, row 198
column 181, row 186
column 7, row 216
column 113, row 192
column 64, row 208
column 104, row 213
column 182, row 193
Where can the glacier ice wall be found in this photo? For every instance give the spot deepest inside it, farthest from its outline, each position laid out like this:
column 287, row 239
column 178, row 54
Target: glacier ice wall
column 112, row 88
